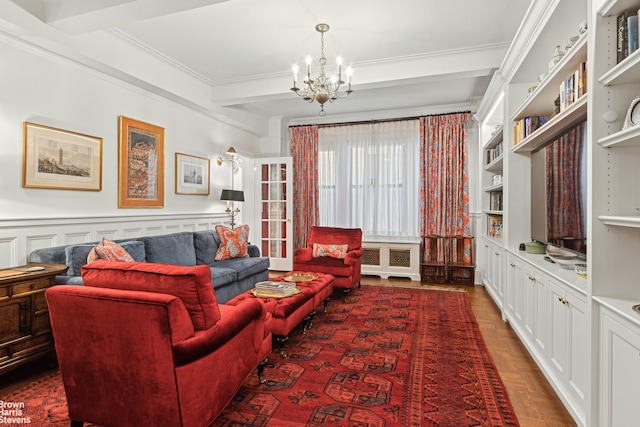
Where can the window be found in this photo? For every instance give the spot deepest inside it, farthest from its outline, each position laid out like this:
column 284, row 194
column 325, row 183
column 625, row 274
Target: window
column 368, row 177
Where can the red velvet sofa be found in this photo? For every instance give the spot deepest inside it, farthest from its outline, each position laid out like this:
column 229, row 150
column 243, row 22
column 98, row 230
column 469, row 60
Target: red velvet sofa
column 145, row 344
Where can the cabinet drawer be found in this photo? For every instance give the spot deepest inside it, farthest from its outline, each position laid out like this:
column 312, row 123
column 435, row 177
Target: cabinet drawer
column 31, row 286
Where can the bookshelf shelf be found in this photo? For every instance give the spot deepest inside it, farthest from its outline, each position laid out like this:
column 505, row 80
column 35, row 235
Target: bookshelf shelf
column 495, row 165
column 554, row 127
column 495, row 139
column 490, row 212
column 620, row 221
column 540, row 101
column 614, row 7
column 623, row 73
column 624, row 138
column 493, row 188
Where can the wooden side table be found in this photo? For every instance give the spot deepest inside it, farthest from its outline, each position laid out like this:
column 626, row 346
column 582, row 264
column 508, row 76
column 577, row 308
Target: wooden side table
column 25, row 330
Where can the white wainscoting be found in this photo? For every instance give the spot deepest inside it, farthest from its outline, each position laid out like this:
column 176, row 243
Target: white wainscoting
column 18, row 238
column 394, row 258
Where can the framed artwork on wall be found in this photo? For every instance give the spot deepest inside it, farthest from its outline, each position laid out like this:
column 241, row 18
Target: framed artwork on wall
column 60, row 159
column 192, row 175
column 140, row 164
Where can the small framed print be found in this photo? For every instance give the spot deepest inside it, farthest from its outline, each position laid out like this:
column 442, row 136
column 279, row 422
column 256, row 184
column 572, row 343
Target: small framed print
column 633, row 114
column 192, row 175
column 140, row 164
column 60, row 159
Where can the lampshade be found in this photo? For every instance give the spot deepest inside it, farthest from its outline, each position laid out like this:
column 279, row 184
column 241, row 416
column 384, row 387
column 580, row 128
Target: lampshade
column 231, row 150
column 232, row 196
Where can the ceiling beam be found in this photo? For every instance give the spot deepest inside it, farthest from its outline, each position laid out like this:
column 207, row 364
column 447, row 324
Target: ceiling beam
column 81, row 16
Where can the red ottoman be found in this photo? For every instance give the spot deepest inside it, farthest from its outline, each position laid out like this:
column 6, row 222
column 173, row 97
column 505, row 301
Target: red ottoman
column 289, row 312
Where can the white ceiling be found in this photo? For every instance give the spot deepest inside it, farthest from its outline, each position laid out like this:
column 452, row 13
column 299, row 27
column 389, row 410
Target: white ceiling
column 405, row 54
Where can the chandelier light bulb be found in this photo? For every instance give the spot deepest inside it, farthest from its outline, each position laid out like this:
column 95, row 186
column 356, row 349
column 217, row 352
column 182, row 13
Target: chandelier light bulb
column 322, row 88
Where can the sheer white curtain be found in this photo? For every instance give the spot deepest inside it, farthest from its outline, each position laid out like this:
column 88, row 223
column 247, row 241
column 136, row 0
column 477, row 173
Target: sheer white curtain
column 369, row 177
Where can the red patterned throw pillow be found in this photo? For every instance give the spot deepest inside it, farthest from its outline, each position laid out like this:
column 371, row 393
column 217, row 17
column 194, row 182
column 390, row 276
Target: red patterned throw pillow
column 330, row 250
column 233, row 243
column 109, row 251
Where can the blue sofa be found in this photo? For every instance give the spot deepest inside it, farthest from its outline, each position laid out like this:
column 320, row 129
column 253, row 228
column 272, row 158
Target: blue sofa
column 230, row 277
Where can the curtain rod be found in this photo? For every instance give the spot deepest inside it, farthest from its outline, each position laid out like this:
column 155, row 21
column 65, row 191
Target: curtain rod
column 373, row 121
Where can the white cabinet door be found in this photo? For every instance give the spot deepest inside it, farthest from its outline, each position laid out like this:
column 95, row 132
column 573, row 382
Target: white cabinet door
column 619, row 372
column 577, row 329
column 558, row 329
column 509, row 288
column 541, row 304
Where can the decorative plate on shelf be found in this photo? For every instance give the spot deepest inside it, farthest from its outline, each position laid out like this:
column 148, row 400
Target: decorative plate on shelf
column 299, row 277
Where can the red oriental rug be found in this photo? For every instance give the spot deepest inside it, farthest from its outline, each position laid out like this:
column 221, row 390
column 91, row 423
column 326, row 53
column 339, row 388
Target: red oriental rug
column 387, row 357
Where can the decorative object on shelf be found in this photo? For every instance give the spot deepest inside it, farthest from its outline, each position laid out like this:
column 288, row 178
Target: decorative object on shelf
column 322, row 88
column 570, row 42
column 633, row 114
column 581, row 269
column 563, row 258
column 192, row 175
column 558, row 54
column 582, row 28
column 535, row 247
column 496, row 179
column 234, row 158
column 60, row 159
column 232, row 196
column 140, row 165
column 543, row 76
column 532, row 89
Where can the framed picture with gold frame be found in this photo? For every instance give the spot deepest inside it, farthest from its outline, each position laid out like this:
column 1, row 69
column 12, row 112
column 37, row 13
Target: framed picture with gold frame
column 192, row 175
column 140, row 164
column 60, row 159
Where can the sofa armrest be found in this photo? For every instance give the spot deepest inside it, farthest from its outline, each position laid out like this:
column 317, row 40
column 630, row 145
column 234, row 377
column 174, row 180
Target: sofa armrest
column 233, row 319
column 353, row 256
column 253, row 251
column 302, row 254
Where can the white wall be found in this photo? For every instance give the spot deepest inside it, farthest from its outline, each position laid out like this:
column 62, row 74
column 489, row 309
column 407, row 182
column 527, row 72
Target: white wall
column 43, row 88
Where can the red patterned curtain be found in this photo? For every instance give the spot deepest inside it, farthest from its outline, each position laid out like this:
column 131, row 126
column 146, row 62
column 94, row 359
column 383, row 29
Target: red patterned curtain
column 444, row 187
column 565, row 212
column 306, row 213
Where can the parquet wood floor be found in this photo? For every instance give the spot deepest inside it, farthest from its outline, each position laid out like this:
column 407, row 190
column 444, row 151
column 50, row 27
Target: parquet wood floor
column 534, row 400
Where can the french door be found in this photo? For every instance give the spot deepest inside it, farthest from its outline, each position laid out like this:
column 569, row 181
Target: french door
column 276, row 207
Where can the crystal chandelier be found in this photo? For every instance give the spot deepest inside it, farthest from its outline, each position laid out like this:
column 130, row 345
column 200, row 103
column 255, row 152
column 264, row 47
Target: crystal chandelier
column 322, row 88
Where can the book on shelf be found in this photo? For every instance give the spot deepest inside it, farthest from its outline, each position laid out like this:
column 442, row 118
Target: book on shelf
column 526, row 126
column 494, row 152
column 632, row 34
column 494, row 226
column 495, row 200
column 573, row 87
column 627, row 34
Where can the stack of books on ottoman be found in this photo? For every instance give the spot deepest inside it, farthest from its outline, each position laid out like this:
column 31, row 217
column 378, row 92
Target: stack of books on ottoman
column 275, row 289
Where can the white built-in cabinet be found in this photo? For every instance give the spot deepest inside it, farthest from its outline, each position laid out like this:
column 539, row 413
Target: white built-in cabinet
column 582, row 332
column 493, row 269
column 546, row 307
column 620, row 366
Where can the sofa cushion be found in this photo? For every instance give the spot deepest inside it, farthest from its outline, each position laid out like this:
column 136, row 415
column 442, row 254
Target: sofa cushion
column 244, row 267
column 108, row 251
column 206, row 243
column 176, row 248
column 192, row 284
column 76, row 255
column 223, row 276
column 233, row 243
column 330, row 249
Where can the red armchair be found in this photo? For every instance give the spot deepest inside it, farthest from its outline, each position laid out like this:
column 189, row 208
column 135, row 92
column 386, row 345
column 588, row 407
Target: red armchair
column 130, row 357
column 346, row 271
